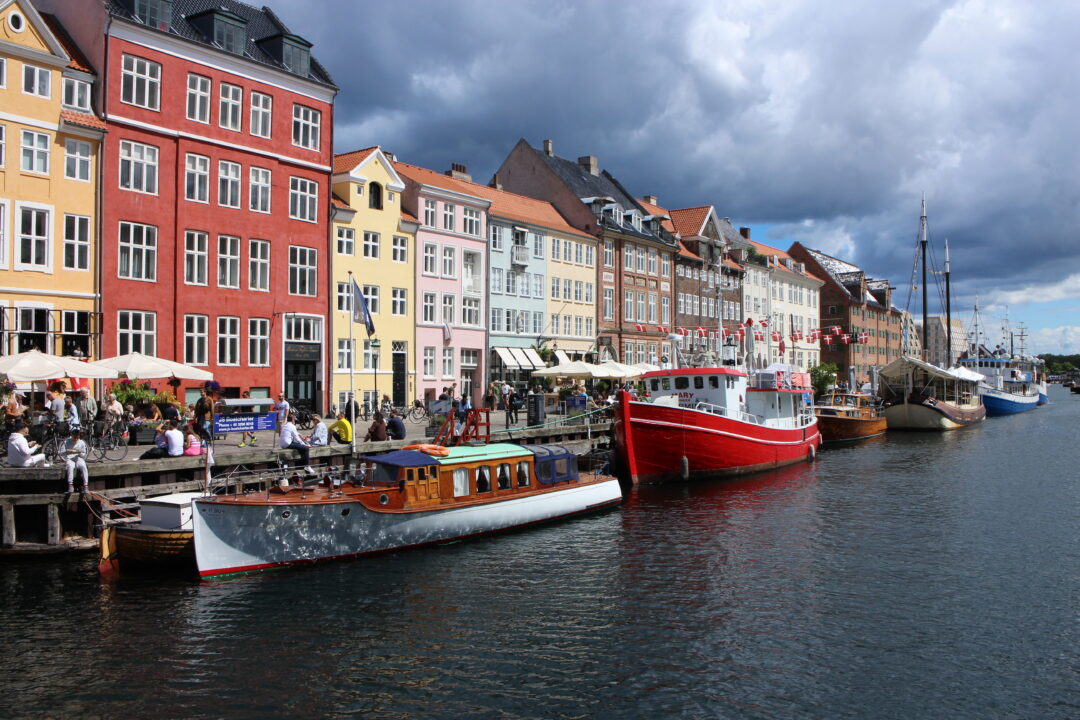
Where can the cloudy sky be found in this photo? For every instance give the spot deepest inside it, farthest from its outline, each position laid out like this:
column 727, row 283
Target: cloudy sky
column 810, row 121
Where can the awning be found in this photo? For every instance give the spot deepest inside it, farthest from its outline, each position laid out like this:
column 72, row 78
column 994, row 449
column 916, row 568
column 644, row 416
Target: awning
column 562, row 357
column 508, row 360
column 534, row 357
column 522, row 360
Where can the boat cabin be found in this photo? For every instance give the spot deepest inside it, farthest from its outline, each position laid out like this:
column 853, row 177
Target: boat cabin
column 1012, row 374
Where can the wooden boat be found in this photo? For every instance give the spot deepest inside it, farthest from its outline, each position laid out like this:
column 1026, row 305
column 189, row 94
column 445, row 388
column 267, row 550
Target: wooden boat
column 916, row 395
column 405, row 498
column 162, row 538
column 714, row 422
column 847, row 417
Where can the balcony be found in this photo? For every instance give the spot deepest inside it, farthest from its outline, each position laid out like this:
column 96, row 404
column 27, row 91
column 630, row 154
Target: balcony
column 519, row 255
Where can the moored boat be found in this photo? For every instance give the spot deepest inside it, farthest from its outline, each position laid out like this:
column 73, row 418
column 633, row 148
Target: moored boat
column 916, row 395
column 848, row 417
column 1009, row 385
column 163, row 536
column 406, row 498
column 713, row 422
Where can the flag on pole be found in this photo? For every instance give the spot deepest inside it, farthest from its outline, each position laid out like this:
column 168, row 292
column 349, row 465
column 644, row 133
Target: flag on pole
column 360, row 312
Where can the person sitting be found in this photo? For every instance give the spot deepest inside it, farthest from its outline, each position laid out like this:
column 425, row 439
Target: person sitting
column 192, row 442
column 153, row 413
column 395, row 428
column 75, row 458
column 174, row 439
column 342, row 429
column 318, row 437
column 171, row 413
column 377, row 431
column 22, row 453
column 161, row 445
column 290, row 440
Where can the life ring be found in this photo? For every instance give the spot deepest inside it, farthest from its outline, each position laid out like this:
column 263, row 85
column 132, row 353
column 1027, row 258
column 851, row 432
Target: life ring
column 436, row 450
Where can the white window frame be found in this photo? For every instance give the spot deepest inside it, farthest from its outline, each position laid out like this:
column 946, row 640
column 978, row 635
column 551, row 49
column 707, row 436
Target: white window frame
column 36, row 154
column 45, row 240
column 260, row 184
column 131, row 339
column 140, row 76
column 229, row 185
column 431, row 260
column 470, row 311
column 400, row 250
column 228, row 340
column 372, row 294
column 196, row 257
column 142, row 167
column 449, row 255
column 306, row 127
column 197, row 108
column 372, row 241
column 346, row 240
column 77, row 158
column 303, row 199
column 147, row 250
column 430, row 213
column 230, row 107
column 303, row 271
column 399, row 302
column 429, row 362
column 259, row 265
column 260, row 120
column 197, row 178
column 40, row 85
column 258, row 342
column 196, row 339
column 471, row 222
column 228, row 262
column 345, row 348
column 76, row 94
column 429, row 308
column 80, row 242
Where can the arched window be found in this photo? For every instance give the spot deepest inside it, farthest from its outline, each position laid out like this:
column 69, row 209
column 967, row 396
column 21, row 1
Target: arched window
column 375, row 196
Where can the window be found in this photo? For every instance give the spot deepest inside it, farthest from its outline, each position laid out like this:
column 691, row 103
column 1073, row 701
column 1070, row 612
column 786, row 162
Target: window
column 346, row 240
column 449, row 262
column 578, row 329
column 538, row 245
column 609, row 304
column 579, row 253
column 138, row 167
column 344, row 297
column 259, row 191
column 429, row 307
column 652, row 307
column 470, row 311
column 303, row 328
column 431, row 259
column 258, row 341
column 34, row 239
column 303, row 199
column 228, row 261
column 344, row 354
column 461, row 482
column 302, row 270
column 305, row 127
column 76, row 94
column 195, row 339
column 399, row 303
column 198, row 98
column 448, row 309
column 153, row 13
column 641, row 307
column 261, row 112
column 196, row 178
column 196, row 246
column 138, row 251
column 375, row 193
column 228, row 184
column 371, row 294
column 259, row 265
column 590, row 251
column 448, row 216
column 429, row 362
column 496, row 238
column 496, row 281
column 579, row 291
column 77, row 160
column 511, row 287
column 588, row 326
column 652, row 262
column 471, row 225
column 228, row 340
column 538, row 286
column 76, row 242
column 628, row 258
column 554, row 323
column 588, row 292
column 555, row 285
column 36, row 81
column 567, row 251
column 429, row 213
column 628, row 305
column 567, row 289
column 35, row 152
column 140, row 82
column 496, row 319
column 609, row 253
column 448, row 362
column 3, row 142
column 371, row 244
column 136, row 332
column 400, row 250
column 641, row 260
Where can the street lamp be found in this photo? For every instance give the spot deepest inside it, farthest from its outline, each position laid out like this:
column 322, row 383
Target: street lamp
column 375, row 345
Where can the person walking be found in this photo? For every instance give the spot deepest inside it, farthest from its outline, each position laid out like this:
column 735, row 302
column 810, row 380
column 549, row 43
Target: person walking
column 204, row 407
column 75, row 459
column 492, row 393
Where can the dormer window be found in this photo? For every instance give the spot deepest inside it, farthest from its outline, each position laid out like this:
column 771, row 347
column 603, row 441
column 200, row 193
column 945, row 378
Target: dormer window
column 227, row 30
column 292, row 51
column 153, row 13
column 77, row 94
column 375, row 196
column 613, row 213
column 635, row 219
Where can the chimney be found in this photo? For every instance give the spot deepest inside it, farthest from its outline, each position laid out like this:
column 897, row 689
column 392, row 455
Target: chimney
column 390, row 156
column 651, row 199
column 459, row 172
column 495, row 182
column 549, row 148
column 590, row 163
column 745, row 232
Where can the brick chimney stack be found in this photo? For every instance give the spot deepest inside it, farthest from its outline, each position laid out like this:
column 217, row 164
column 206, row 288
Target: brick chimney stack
column 459, row 172
column 495, row 182
column 590, row 163
column 651, row 199
column 549, row 148
column 745, row 232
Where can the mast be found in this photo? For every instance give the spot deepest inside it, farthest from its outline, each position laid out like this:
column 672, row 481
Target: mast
column 922, row 250
column 948, row 310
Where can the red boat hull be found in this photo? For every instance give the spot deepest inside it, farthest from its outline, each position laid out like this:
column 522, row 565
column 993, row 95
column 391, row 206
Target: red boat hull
column 658, row 443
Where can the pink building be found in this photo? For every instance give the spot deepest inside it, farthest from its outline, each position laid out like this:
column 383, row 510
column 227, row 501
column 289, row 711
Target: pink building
column 451, row 335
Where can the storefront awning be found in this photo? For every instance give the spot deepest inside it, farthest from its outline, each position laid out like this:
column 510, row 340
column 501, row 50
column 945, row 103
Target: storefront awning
column 562, row 357
column 534, row 358
column 522, row 360
column 508, row 360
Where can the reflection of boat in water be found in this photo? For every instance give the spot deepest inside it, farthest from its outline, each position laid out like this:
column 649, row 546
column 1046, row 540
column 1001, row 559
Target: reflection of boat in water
column 162, row 538
column 848, row 417
column 407, row 498
column 916, row 395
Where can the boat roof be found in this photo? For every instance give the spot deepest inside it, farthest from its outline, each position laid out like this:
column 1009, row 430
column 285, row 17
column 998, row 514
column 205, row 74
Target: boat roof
column 478, row 453
column 900, row 365
column 402, row 458
column 694, row 371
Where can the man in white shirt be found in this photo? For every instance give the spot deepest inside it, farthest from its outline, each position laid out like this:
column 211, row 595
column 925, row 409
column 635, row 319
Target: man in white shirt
column 174, row 440
column 290, row 440
column 21, row 452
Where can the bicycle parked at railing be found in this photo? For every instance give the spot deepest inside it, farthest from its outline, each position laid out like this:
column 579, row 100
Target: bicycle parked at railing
column 108, row 441
column 417, row 413
column 305, row 418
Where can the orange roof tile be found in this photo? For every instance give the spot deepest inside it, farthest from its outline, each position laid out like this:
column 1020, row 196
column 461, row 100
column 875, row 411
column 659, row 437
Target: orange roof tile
column 338, row 202
column 345, row 162
column 689, row 221
column 686, row 253
column 78, row 60
column 503, row 202
column 769, row 250
column 408, row 216
column 659, row 212
column 82, row 119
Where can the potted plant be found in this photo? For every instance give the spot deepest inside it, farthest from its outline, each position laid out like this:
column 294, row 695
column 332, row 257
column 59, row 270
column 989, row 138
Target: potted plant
column 434, row 424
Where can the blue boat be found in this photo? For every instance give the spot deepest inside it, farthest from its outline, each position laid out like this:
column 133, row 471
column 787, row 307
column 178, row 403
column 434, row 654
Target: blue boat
column 1010, row 385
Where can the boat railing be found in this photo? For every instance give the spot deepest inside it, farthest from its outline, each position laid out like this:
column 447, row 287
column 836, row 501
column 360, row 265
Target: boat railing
column 727, row 412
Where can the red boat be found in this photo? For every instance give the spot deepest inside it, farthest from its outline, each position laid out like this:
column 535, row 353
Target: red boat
column 711, row 422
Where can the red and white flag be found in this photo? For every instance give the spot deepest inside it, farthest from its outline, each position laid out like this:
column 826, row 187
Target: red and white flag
column 662, row 328
column 827, row 339
column 777, row 336
column 759, row 334
column 845, row 338
column 742, row 326
column 835, row 329
column 681, row 330
column 764, row 323
column 702, row 332
column 742, row 335
column 640, row 327
column 864, row 338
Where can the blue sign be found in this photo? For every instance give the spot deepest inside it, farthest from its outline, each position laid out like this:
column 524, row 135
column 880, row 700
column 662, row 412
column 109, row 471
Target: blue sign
column 244, row 422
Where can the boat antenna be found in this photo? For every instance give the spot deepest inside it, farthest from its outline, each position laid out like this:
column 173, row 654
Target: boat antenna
column 948, row 310
column 922, row 253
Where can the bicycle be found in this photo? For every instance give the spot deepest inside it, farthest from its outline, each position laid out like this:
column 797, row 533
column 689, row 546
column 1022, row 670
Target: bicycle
column 53, row 439
column 417, row 413
column 110, row 444
column 305, row 419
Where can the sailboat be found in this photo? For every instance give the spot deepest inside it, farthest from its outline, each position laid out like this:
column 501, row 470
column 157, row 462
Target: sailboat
column 918, row 395
column 1011, row 382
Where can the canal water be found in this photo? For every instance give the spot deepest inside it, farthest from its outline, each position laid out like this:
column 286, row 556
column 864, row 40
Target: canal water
column 915, row 576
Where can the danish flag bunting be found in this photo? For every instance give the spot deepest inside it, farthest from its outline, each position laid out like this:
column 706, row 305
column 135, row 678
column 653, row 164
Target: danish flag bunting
column 764, row 323
column 742, row 326
column 640, row 327
column 827, row 339
column 702, row 332
column 776, row 336
column 759, row 334
column 845, row 338
column 662, row 328
column 835, row 329
column 742, row 335
column 864, row 338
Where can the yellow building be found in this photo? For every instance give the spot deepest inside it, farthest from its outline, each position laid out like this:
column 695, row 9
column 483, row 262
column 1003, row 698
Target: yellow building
column 375, row 240
column 50, row 141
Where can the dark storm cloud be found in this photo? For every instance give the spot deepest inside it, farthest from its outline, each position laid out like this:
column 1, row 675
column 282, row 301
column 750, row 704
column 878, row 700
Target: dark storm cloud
column 827, row 121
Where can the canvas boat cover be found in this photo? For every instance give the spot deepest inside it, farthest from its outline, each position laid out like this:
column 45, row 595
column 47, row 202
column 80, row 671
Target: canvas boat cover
column 902, row 365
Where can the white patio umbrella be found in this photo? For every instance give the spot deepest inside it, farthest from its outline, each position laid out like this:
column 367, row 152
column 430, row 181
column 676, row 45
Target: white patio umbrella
column 645, row 367
column 147, row 367
column 575, row 369
column 621, row 370
column 35, row 365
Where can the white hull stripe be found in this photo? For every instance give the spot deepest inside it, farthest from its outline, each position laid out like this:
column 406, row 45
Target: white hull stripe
column 661, row 423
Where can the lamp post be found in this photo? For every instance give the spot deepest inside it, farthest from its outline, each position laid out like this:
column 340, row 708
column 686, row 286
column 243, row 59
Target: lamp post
column 375, row 345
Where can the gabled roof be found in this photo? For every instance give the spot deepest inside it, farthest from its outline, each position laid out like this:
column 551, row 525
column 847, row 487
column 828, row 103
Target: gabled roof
column 78, row 60
column 691, row 221
column 842, row 273
column 686, row 253
column 346, row 162
column 82, row 119
column 41, row 27
column 352, row 163
column 262, row 23
column 660, row 212
column 769, row 251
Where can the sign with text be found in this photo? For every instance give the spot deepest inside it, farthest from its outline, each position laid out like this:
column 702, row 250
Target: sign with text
column 244, row 422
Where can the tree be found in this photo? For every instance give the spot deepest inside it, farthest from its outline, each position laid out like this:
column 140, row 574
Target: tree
column 822, row 376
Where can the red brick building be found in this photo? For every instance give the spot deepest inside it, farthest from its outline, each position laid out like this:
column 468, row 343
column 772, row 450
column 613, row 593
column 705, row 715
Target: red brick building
column 215, row 189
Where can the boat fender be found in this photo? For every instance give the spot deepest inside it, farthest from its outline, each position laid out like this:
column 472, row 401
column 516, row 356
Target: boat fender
column 684, row 468
column 811, row 453
column 436, row 450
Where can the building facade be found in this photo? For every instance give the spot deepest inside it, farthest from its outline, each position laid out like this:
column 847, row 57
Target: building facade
column 700, row 281
column 373, row 244
column 50, row 161
column 935, row 338
column 215, row 220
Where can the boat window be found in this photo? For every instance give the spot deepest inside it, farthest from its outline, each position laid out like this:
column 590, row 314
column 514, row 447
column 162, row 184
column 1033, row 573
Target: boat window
column 543, row 472
column 714, row 382
column 681, row 383
column 483, row 479
column 409, row 475
column 461, row 482
column 523, row 474
column 384, row 474
column 562, row 468
column 666, row 383
column 504, row 476
column 699, row 382
column 655, row 384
